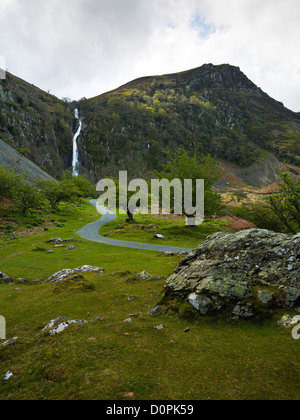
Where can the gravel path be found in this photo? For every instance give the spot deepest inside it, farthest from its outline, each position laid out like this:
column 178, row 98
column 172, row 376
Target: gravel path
column 90, row 232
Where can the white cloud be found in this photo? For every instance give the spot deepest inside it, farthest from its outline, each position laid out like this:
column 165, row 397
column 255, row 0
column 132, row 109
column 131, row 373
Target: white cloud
column 86, row 47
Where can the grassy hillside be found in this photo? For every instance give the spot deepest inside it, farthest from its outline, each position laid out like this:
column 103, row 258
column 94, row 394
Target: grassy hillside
column 212, row 109
column 110, row 359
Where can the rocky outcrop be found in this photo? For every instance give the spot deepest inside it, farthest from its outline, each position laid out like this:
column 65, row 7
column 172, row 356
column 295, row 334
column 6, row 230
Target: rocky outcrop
column 60, row 324
column 244, row 272
column 65, row 274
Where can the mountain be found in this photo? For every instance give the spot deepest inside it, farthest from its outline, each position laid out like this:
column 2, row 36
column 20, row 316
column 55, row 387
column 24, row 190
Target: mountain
column 211, row 109
column 36, row 124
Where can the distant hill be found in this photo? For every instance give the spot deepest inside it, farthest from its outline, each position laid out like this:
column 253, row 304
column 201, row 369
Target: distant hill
column 211, row 109
column 12, row 159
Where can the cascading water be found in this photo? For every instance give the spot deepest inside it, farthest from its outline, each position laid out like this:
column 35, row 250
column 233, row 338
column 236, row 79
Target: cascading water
column 75, row 161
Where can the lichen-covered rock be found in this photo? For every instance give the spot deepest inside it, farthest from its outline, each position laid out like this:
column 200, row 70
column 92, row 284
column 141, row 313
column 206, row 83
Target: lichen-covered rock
column 243, row 311
column 60, row 324
column 64, row 275
column 202, row 303
column 287, row 321
column 227, row 268
column 265, row 297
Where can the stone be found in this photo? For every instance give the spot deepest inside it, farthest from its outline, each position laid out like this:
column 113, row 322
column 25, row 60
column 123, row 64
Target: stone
column 7, row 280
column 22, row 281
column 54, row 241
column 291, row 295
column 265, row 297
column 159, row 236
column 7, row 376
column 287, row 321
column 63, row 275
column 201, row 303
column 225, row 270
column 57, row 241
column 60, row 324
column 9, row 342
column 71, row 248
column 243, row 311
column 159, row 327
column 144, row 275
column 127, row 321
column 155, row 311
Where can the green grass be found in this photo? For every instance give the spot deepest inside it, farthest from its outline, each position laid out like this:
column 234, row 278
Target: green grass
column 108, row 358
column 175, row 231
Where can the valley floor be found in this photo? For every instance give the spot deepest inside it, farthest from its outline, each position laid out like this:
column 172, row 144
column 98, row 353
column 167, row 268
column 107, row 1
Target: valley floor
column 109, row 359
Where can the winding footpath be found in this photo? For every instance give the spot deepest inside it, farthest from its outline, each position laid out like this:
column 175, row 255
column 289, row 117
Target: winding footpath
column 91, row 233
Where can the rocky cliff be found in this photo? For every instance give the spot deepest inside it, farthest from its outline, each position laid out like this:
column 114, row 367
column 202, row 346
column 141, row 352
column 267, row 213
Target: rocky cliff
column 36, row 124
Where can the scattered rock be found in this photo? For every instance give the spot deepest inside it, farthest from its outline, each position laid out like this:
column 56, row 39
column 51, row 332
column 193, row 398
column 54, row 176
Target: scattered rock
column 7, row 280
column 158, row 236
column 57, row 241
column 58, row 325
column 144, row 275
column 9, row 342
column 128, row 320
column 40, row 249
column 155, row 311
column 173, row 254
column 54, row 241
column 22, row 281
column 8, row 376
column 98, row 318
column 287, row 321
column 4, row 278
column 131, row 298
column 62, row 275
column 159, row 327
column 72, row 247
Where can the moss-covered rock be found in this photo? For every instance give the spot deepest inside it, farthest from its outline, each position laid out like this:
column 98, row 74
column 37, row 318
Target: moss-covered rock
column 228, row 270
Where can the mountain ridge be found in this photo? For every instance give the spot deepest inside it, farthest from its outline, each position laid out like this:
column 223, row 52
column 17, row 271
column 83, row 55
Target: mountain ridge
column 209, row 109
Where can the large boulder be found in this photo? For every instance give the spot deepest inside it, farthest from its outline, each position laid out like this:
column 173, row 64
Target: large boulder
column 246, row 271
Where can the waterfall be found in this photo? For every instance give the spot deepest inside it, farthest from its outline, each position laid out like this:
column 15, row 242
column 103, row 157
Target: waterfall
column 75, row 161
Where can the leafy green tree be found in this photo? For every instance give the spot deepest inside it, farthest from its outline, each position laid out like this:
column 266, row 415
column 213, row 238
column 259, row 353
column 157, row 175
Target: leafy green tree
column 57, row 191
column 286, row 205
column 86, row 189
column 8, row 183
column 183, row 166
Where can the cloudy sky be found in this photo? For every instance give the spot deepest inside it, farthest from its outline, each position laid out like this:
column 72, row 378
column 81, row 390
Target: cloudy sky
column 77, row 48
